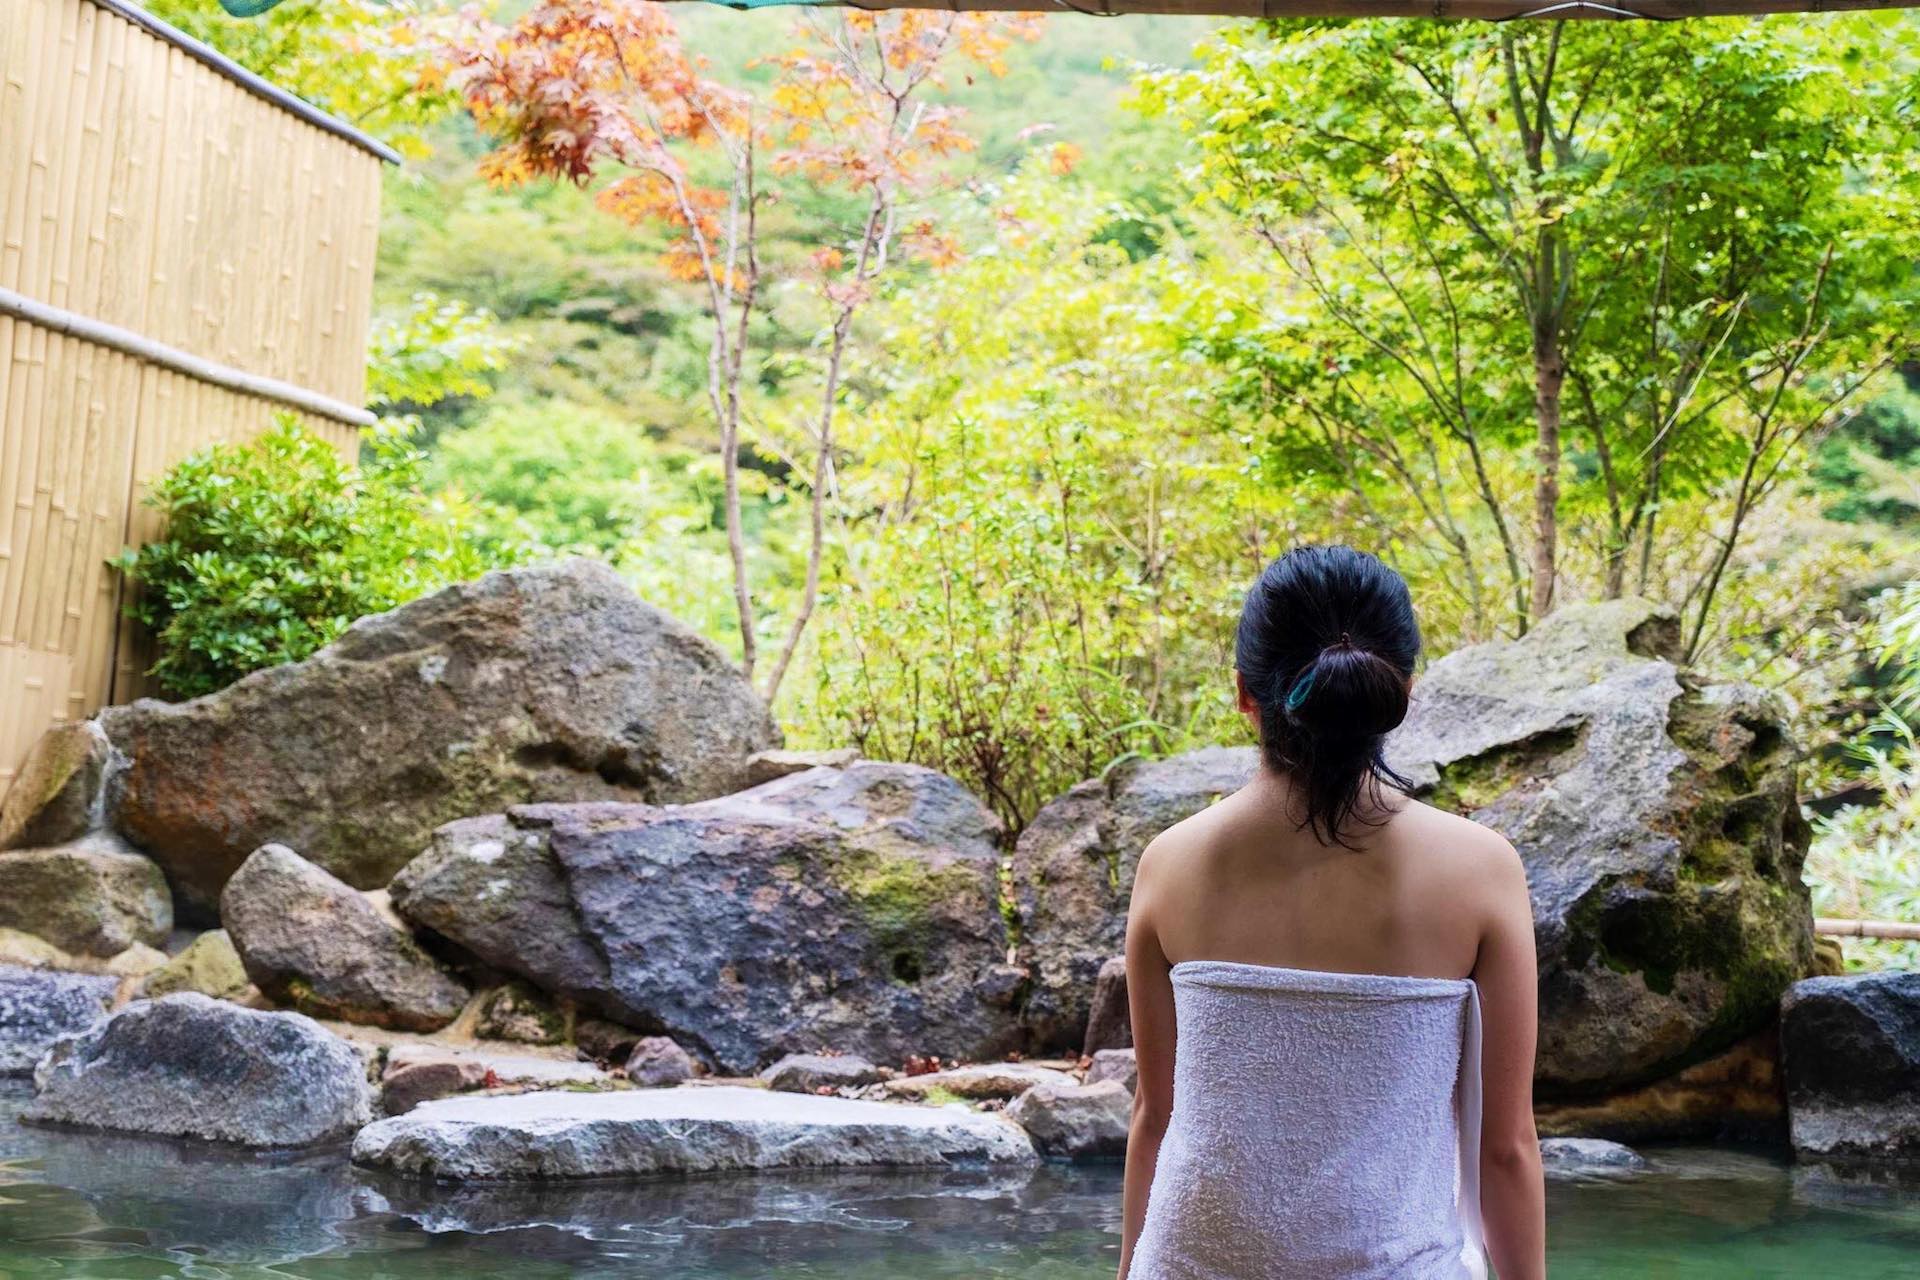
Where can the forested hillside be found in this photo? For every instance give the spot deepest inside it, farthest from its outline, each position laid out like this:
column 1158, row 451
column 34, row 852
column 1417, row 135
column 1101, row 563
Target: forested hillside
column 1017, row 396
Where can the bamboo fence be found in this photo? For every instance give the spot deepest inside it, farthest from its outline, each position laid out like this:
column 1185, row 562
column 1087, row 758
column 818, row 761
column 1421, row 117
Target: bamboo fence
column 184, row 251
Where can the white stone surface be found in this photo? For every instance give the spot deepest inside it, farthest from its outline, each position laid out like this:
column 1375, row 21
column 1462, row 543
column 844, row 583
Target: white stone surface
column 639, row 1133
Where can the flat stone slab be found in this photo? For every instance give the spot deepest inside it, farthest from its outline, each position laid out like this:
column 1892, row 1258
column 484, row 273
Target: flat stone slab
column 507, row 1068
column 652, row 1132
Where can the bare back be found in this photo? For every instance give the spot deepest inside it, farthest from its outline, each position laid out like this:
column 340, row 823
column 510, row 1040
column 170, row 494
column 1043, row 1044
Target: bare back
column 1415, row 893
column 1413, row 896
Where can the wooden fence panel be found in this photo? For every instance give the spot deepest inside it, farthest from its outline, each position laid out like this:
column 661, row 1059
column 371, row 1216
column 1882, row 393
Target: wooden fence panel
column 156, row 206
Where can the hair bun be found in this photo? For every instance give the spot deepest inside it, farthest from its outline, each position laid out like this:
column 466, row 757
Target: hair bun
column 1347, row 692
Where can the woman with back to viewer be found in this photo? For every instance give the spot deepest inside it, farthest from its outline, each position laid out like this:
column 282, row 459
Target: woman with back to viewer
column 1332, row 985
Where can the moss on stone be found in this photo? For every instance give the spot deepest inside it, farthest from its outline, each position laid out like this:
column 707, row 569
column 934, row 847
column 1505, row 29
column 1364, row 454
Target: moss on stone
column 209, row 965
column 898, row 896
column 1474, row 782
column 518, row 1011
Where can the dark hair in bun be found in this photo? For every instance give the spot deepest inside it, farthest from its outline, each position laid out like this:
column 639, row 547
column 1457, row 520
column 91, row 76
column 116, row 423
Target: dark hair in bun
column 1326, row 645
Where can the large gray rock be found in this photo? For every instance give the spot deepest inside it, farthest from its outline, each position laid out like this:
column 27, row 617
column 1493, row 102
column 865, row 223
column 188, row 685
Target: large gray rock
column 1076, row 1121
column 191, row 1067
column 1073, row 874
column 94, row 896
column 1660, row 827
column 1850, row 1049
column 856, row 907
column 55, row 797
column 39, row 1007
column 549, row 683
column 309, row 941
column 648, row 1132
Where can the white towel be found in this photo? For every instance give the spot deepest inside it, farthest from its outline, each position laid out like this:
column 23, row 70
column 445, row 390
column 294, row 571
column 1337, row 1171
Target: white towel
column 1326, row 1126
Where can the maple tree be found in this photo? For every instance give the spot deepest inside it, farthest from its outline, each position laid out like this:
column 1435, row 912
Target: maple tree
column 580, row 90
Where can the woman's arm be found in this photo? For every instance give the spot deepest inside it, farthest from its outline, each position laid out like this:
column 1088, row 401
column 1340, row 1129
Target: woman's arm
column 1512, row 1188
column 1150, row 999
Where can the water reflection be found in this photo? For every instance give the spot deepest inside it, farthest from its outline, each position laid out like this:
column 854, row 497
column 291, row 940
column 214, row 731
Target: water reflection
column 76, row 1205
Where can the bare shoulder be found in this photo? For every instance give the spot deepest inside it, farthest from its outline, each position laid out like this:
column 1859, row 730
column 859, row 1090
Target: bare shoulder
column 1180, row 846
column 1461, row 850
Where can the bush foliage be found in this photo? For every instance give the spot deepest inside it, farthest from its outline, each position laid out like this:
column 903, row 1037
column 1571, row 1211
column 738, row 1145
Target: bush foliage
column 274, row 546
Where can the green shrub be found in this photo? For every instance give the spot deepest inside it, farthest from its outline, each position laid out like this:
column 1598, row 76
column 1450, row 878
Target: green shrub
column 274, row 546
column 1865, row 860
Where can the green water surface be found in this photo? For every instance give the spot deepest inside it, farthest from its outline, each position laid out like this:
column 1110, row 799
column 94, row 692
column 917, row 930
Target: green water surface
column 77, row 1205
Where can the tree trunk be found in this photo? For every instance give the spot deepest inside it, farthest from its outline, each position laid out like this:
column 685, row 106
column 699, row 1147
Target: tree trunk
column 1549, row 373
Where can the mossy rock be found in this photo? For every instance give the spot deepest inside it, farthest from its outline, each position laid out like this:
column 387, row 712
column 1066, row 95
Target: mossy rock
column 518, row 1012
column 94, row 896
column 1657, row 815
column 55, row 796
column 856, row 907
column 208, row 965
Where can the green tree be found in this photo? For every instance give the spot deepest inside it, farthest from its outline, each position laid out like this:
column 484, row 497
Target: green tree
column 1621, row 268
column 1042, row 539
column 434, row 350
column 359, row 60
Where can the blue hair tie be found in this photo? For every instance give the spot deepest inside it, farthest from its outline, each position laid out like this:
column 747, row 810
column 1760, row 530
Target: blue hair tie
column 1302, row 688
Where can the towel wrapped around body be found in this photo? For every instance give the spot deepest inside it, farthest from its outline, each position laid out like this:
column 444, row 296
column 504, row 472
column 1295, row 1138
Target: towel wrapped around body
column 1326, row 1126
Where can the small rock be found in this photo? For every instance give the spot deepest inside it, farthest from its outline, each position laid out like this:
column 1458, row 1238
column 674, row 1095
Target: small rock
column 982, row 1080
column 604, row 1041
column 1076, row 1121
column 310, row 941
column 1003, row 986
column 518, row 1012
column 648, row 1132
column 765, row 766
column 1850, row 1050
column 657, row 1061
column 38, row 1008
column 1115, row 1064
column 1580, row 1157
column 1829, row 957
column 22, row 950
column 208, row 964
column 187, row 1066
column 93, row 896
column 137, row 961
column 812, row 1072
column 1109, row 1020
column 55, row 797
column 403, row 1090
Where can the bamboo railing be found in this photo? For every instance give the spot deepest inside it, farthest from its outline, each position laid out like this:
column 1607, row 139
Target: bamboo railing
column 1894, row 930
column 184, row 251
